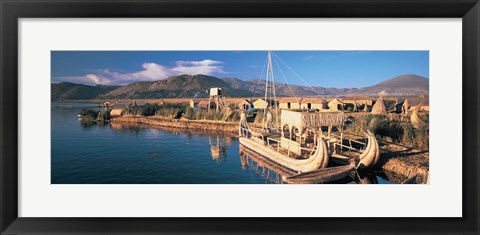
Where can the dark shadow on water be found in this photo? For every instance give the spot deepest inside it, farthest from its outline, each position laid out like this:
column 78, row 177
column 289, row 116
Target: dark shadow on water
column 89, row 124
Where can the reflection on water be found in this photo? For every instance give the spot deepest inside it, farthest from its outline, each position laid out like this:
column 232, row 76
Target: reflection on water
column 123, row 153
column 269, row 173
column 217, row 150
column 365, row 178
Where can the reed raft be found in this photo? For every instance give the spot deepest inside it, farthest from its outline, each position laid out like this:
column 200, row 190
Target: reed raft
column 399, row 169
column 182, row 124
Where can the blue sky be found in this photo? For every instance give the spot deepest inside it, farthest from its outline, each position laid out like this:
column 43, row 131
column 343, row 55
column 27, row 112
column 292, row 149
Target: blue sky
column 340, row 69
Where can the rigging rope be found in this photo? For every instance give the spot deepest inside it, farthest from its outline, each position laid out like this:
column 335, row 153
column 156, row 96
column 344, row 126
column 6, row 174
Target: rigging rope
column 284, row 78
column 259, row 79
column 296, row 74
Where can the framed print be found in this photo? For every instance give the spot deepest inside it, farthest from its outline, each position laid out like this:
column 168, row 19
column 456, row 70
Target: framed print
column 206, row 116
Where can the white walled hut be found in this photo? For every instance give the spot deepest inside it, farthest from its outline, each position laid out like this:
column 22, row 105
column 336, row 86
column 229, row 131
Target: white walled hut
column 117, row 109
column 215, row 91
column 262, row 104
column 116, row 112
column 314, row 103
column 290, row 103
column 335, row 105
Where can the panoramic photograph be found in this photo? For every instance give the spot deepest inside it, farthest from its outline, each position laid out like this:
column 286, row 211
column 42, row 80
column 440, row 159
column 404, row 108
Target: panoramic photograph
column 240, row 117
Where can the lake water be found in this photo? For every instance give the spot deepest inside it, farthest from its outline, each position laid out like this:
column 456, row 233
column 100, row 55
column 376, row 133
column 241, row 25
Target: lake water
column 130, row 154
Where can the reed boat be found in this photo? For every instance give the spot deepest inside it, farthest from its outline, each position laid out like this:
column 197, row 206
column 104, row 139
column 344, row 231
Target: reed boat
column 304, row 141
column 301, row 145
column 322, row 175
column 414, row 118
column 274, row 146
column 416, row 121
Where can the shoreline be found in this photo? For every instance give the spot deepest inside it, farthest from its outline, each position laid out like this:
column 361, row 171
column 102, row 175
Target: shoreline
column 181, row 123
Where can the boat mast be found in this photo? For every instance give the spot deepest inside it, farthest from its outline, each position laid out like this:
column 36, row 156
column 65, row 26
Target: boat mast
column 273, row 86
column 273, row 93
column 266, row 91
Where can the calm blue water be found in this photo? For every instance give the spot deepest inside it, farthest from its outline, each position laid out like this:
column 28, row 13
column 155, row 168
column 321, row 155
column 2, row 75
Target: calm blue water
column 126, row 154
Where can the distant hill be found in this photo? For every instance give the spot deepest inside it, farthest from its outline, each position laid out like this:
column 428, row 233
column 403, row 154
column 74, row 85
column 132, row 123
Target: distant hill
column 185, row 86
column 73, row 91
column 284, row 90
column 404, row 85
column 175, row 87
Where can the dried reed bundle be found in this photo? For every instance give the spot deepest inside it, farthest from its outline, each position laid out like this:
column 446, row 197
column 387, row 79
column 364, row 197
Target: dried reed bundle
column 379, row 107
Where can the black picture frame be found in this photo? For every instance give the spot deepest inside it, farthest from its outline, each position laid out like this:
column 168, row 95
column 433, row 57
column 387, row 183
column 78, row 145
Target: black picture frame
column 12, row 10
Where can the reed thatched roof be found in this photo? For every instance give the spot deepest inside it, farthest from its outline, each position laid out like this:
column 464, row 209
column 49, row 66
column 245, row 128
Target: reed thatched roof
column 116, row 112
column 313, row 100
column 290, row 100
column 312, row 119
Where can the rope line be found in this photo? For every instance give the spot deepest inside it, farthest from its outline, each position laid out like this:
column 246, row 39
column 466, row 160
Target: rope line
column 259, row 79
column 284, row 78
column 296, row 74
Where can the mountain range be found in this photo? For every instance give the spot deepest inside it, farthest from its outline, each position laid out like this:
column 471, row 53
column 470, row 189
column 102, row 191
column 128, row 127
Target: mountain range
column 196, row 86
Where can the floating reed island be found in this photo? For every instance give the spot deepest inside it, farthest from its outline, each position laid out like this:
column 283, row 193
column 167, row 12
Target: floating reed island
column 403, row 147
column 311, row 139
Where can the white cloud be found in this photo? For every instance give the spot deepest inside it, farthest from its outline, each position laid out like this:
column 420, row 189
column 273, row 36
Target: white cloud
column 207, row 67
column 95, row 79
column 150, row 72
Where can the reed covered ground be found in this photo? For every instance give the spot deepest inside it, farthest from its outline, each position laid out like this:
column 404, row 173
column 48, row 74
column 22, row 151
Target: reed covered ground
column 391, row 128
column 182, row 111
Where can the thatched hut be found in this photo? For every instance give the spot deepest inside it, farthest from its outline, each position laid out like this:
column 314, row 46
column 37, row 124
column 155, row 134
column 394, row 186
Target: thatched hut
column 298, row 123
column 116, row 112
column 401, row 107
column 107, row 104
column 335, row 105
column 312, row 119
column 379, row 107
column 245, row 104
column 310, row 103
column 420, row 104
column 290, row 103
column 262, row 104
column 193, row 103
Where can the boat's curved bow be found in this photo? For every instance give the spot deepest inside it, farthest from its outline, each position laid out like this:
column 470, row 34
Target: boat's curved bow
column 416, row 121
column 371, row 155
